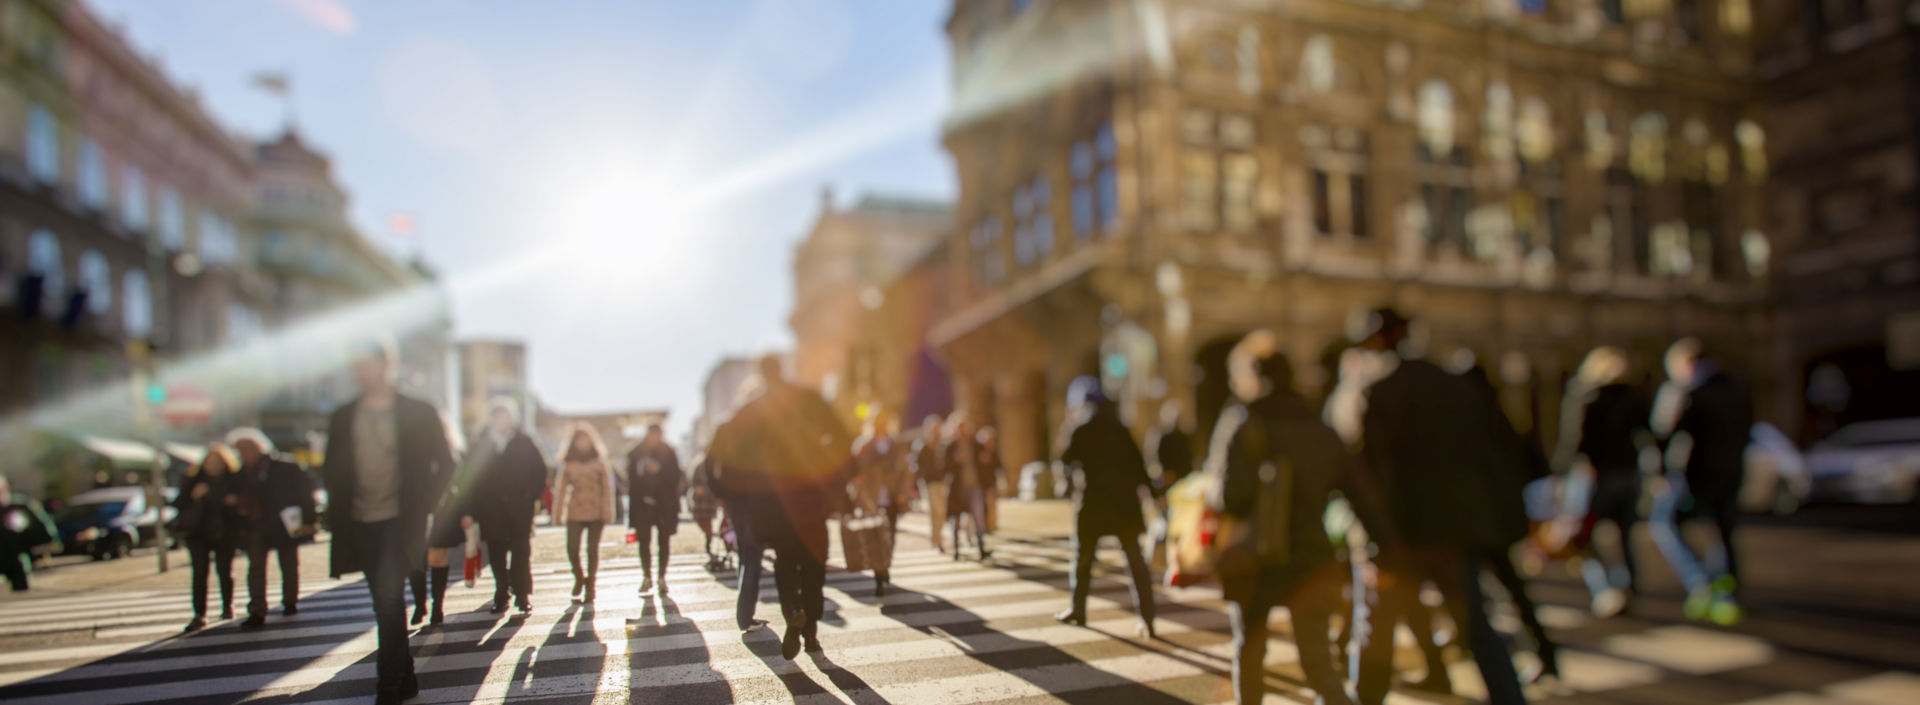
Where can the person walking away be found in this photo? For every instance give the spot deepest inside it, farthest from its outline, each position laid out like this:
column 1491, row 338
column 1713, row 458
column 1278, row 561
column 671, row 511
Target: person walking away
column 1520, row 463
column 993, row 474
column 583, row 502
column 1425, row 438
column 505, row 499
column 24, row 526
column 209, row 522
column 930, row 469
column 1603, row 429
column 387, row 462
column 1110, row 477
column 656, row 482
column 789, row 442
column 274, row 488
column 704, row 506
column 1170, row 457
column 1704, row 419
column 970, row 474
column 741, row 483
column 446, row 532
column 878, row 485
column 1275, row 467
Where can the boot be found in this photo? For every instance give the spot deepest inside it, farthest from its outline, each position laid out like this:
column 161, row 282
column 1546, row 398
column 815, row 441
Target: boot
column 579, row 583
column 587, row 594
column 439, row 591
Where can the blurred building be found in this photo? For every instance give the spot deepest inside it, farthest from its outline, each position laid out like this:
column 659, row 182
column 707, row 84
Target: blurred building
column 891, row 368
column 1840, row 96
column 843, row 268
column 492, row 369
column 120, row 205
column 319, row 265
column 1141, row 182
column 620, row 430
column 720, row 396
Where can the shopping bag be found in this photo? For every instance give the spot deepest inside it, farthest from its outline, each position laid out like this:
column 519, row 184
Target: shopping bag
column 1191, row 530
column 290, row 518
column 470, row 570
column 865, row 543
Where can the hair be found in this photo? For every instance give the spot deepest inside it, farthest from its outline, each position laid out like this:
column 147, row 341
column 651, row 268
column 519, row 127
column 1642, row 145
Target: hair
column 250, row 434
column 230, row 461
column 380, row 346
column 951, row 430
column 574, row 431
column 772, row 369
column 1257, row 359
column 1604, row 365
column 506, row 404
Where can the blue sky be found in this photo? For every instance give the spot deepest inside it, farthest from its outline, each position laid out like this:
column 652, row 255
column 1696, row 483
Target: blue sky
column 618, row 183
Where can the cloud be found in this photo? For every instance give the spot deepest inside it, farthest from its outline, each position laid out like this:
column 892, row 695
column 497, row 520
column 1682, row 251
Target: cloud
column 330, row 15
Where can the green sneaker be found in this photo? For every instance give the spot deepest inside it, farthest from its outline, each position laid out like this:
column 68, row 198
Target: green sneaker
column 1725, row 612
column 1698, row 604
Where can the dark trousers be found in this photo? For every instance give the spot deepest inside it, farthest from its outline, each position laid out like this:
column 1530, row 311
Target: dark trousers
column 17, row 566
column 288, row 551
column 648, row 536
column 387, row 565
column 1616, row 499
column 1085, row 542
column 1501, row 563
column 511, row 572
column 591, row 532
column 752, row 559
column 207, row 556
column 799, row 572
column 1456, row 572
column 1309, row 607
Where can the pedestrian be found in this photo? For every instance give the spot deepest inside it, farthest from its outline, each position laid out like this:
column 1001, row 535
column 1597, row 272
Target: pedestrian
column 209, row 522
column 24, row 526
column 788, row 455
column 993, row 475
column 1275, row 467
column 584, row 497
column 1425, row 438
column 277, row 503
column 878, row 487
column 740, row 482
column 970, row 473
column 504, row 500
column 1603, row 430
column 387, row 462
column 704, row 506
column 1170, row 454
column 445, row 532
column 1509, row 472
column 930, row 469
column 1704, row 419
column 1110, row 479
column 655, row 483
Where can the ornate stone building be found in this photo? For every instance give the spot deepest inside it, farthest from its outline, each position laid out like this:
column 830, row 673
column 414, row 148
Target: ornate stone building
column 1142, row 181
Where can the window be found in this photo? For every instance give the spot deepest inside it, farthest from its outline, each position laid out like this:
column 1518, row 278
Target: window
column 172, row 225
column 1615, row 11
column 1435, row 111
column 1218, row 172
column 133, row 197
column 136, row 304
column 92, row 175
column 43, row 145
column 1107, row 180
column 1033, row 221
column 989, row 262
column 1627, row 205
column 219, row 243
column 1096, row 183
column 1337, row 159
column 1199, row 170
column 1703, row 209
column 1322, row 203
column 97, row 280
column 1533, row 7
column 44, row 261
column 1317, row 67
column 1357, row 204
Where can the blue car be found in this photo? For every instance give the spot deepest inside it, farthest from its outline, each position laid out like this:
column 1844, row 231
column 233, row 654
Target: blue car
column 107, row 523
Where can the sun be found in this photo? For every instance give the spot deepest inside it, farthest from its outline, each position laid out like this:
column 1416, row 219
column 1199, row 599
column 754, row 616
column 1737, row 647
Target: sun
column 626, row 235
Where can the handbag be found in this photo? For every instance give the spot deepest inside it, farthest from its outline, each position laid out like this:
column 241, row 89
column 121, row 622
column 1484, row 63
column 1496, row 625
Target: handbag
column 865, row 543
column 1205, row 544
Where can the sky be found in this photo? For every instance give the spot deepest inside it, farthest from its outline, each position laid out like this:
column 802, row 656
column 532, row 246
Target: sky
column 619, row 184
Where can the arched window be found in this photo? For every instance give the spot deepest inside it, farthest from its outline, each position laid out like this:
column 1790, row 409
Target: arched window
column 92, row 175
column 1436, row 117
column 1497, row 121
column 136, row 305
column 97, row 280
column 133, row 197
column 43, row 144
column 172, row 225
column 1317, row 67
column 1534, row 130
column 1647, row 147
column 43, row 260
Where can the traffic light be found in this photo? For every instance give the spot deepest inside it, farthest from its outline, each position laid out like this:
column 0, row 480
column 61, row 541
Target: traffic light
column 156, row 393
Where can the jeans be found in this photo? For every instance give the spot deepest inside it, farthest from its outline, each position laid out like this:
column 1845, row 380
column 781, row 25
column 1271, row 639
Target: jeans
column 386, row 568
column 511, row 572
column 648, row 536
column 752, row 557
column 288, row 551
column 976, row 511
column 1663, row 522
column 799, row 574
column 591, row 531
column 1085, row 543
column 215, row 557
column 1456, row 572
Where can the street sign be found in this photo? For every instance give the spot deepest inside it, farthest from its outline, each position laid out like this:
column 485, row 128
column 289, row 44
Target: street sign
column 186, row 406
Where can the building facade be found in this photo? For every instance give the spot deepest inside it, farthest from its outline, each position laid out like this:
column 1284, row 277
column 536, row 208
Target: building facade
column 492, row 369
column 1142, row 182
column 720, row 396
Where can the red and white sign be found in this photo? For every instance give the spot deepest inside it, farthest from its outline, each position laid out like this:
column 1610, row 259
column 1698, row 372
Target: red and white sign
column 186, row 406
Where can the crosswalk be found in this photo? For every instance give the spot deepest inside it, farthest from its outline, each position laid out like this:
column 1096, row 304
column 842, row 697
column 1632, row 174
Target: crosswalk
column 948, row 632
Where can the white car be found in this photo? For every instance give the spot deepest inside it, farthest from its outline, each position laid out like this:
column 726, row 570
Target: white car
column 1870, row 462
column 1777, row 479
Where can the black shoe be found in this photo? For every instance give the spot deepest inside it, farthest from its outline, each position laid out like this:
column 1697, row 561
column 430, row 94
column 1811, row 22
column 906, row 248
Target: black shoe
column 1075, row 618
column 289, row 610
column 790, row 643
column 196, row 625
column 419, row 614
column 879, row 589
column 498, row 606
column 254, row 622
column 526, row 608
column 226, row 613
column 753, row 626
column 407, row 691
column 579, row 584
column 436, row 617
column 812, row 645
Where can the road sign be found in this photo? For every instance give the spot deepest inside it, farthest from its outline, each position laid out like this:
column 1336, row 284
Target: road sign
column 186, row 406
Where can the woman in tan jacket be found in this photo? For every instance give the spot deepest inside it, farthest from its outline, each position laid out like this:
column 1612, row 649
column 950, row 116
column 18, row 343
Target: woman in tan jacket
column 584, row 494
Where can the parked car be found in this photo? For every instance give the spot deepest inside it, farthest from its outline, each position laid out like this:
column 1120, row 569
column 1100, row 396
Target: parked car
column 109, row 522
column 1777, row 480
column 1870, row 462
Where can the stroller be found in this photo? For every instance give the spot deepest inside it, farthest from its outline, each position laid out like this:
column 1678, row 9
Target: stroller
column 725, row 560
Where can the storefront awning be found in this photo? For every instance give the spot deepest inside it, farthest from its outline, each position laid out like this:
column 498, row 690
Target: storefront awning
column 187, row 453
column 124, row 454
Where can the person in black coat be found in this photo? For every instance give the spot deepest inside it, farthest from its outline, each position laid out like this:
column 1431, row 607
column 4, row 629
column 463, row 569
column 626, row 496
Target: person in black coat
column 1426, row 437
column 1111, row 477
column 210, row 523
column 1603, row 428
column 272, row 484
column 1705, row 420
column 504, row 499
column 1170, row 447
column 24, row 527
column 655, row 483
column 387, row 465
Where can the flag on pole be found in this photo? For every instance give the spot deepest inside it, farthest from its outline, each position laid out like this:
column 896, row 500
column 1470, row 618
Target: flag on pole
column 274, row 82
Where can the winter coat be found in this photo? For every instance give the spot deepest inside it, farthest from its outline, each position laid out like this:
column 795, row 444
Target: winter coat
column 783, row 458
column 214, row 518
column 653, row 497
column 1102, row 455
column 268, row 488
column 880, row 477
column 1718, row 416
column 584, row 492
column 425, row 465
column 1428, row 438
column 1606, row 426
column 1171, row 448
column 505, row 496
column 24, row 524
column 1285, row 505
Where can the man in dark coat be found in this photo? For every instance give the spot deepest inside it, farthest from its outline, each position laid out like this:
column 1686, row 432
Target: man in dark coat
column 504, row 499
column 1111, row 473
column 1705, row 418
column 785, row 456
column 1426, row 438
column 24, row 525
column 1170, row 447
column 654, row 485
column 1276, row 466
column 930, row 470
column 1603, row 428
column 270, row 485
column 387, row 462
